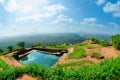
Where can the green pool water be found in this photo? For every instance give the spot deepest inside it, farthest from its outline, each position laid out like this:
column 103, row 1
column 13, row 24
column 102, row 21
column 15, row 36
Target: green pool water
column 39, row 58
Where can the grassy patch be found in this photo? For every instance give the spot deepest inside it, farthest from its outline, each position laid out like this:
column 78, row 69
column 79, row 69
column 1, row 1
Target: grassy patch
column 96, row 55
column 105, row 70
column 4, row 52
column 118, row 52
column 61, row 46
column 78, row 53
column 77, row 63
column 11, row 57
column 85, row 45
column 89, row 46
column 11, row 54
column 3, row 65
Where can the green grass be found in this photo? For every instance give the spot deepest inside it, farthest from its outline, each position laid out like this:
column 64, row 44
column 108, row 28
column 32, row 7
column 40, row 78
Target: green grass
column 89, row 46
column 84, row 45
column 11, row 56
column 96, row 55
column 3, row 65
column 4, row 52
column 60, row 46
column 77, row 63
column 105, row 70
column 78, row 53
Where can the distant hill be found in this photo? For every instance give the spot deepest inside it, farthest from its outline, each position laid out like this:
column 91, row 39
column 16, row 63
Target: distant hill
column 48, row 39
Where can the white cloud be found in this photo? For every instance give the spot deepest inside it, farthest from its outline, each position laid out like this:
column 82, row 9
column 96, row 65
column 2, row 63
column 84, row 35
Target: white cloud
column 1, row 1
column 54, row 9
column 62, row 18
column 112, row 8
column 36, row 18
column 30, row 16
column 16, row 30
column 90, row 22
column 13, row 31
column 30, row 6
column 11, row 6
column 0, row 24
column 48, row 12
column 100, row 2
column 22, row 6
column 113, row 24
column 91, row 25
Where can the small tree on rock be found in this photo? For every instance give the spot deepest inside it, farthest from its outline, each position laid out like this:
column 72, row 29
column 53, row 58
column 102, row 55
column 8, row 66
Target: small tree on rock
column 105, row 43
column 95, row 40
column 21, row 44
column 115, row 39
column 1, row 51
column 10, row 48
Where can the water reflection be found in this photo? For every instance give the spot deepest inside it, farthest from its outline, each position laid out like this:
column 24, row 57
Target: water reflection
column 40, row 58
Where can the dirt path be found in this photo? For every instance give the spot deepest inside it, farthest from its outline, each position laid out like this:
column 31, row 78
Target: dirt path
column 26, row 77
column 11, row 62
column 107, row 52
column 63, row 58
column 0, row 69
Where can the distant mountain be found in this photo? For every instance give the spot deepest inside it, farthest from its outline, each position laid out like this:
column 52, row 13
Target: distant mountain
column 48, row 39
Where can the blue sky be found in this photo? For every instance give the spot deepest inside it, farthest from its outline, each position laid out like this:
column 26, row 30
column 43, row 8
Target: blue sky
column 22, row 17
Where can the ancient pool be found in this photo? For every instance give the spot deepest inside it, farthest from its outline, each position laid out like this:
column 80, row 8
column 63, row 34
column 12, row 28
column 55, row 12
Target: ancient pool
column 39, row 58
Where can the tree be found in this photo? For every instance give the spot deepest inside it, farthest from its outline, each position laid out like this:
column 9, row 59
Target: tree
column 36, row 45
column 95, row 40
column 10, row 48
column 105, row 43
column 115, row 39
column 21, row 44
column 1, row 50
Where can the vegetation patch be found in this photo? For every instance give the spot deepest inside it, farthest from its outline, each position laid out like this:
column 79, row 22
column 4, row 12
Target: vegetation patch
column 78, row 53
column 76, row 63
column 105, row 43
column 89, row 46
column 84, row 45
column 95, row 40
column 60, row 46
column 3, row 65
column 97, row 55
column 115, row 39
column 106, row 70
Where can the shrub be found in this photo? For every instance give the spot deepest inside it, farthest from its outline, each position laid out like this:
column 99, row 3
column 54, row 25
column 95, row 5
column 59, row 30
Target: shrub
column 10, row 48
column 105, row 70
column 89, row 46
column 115, row 39
column 1, row 51
column 78, row 53
column 76, row 63
column 97, row 55
column 21, row 44
column 95, row 40
column 105, row 43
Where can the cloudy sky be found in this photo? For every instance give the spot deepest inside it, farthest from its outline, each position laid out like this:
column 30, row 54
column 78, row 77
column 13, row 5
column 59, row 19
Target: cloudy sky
column 19, row 17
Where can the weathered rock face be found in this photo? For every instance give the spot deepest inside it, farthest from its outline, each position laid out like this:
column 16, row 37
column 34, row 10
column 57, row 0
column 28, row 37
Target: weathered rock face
column 102, row 57
column 52, row 51
column 0, row 69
